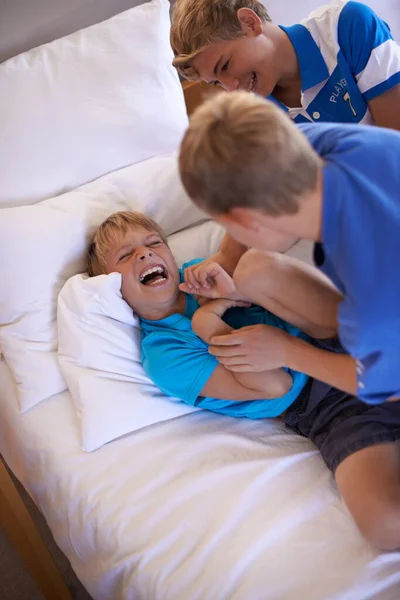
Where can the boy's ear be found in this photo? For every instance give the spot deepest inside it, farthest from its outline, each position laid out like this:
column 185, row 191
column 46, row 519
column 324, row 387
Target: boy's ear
column 247, row 218
column 249, row 21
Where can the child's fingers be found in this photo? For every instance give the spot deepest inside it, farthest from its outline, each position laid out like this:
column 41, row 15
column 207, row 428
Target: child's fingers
column 207, row 273
column 200, row 291
column 190, row 279
column 233, row 341
column 202, row 277
column 184, row 287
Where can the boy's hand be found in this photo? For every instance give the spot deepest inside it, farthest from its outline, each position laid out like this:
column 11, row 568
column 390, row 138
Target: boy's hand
column 253, row 348
column 209, row 280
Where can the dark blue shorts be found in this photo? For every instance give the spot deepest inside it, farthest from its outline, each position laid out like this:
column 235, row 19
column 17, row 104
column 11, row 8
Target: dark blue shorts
column 338, row 423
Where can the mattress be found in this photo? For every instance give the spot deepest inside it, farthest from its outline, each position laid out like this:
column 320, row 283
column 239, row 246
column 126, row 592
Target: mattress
column 203, row 507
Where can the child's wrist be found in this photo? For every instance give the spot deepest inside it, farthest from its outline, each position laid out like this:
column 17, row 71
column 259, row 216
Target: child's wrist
column 294, row 350
column 236, row 295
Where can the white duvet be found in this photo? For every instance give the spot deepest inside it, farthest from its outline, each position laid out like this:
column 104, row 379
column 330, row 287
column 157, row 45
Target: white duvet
column 204, row 507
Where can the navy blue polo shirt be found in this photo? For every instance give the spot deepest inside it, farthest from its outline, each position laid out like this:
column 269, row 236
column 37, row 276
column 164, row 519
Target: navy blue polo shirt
column 360, row 249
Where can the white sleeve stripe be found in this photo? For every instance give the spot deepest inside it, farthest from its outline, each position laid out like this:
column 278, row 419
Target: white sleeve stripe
column 382, row 64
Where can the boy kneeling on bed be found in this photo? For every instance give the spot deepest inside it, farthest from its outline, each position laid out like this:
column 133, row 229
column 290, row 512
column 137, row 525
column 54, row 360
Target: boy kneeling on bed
column 176, row 333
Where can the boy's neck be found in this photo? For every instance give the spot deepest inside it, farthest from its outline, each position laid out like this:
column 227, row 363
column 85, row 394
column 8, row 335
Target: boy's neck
column 288, row 87
column 162, row 312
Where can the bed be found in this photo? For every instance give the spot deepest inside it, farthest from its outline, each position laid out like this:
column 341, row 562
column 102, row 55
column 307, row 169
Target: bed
column 195, row 506
column 200, row 507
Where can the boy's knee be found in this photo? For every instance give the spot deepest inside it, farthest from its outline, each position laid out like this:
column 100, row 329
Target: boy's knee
column 256, row 268
column 382, row 526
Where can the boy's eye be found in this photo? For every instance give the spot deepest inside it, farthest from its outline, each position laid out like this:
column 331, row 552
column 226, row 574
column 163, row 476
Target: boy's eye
column 226, row 65
column 155, row 243
column 125, row 255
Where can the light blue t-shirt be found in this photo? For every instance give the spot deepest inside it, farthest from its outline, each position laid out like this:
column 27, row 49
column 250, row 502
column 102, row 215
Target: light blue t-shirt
column 347, row 57
column 179, row 363
column 360, row 250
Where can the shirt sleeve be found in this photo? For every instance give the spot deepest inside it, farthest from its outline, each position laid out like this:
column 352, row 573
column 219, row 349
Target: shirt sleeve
column 370, row 51
column 195, row 261
column 179, row 363
column 377, row 375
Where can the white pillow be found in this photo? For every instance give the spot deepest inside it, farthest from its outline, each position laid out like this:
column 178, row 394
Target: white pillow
column 99, row 350
column 45, row 244
column 88, row 104
column 99, row 354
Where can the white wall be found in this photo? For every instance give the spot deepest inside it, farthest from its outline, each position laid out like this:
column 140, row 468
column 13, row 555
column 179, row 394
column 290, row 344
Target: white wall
column 288, row 12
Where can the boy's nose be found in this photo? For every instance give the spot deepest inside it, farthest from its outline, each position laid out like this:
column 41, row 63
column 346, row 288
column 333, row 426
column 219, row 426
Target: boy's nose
column 230, row 84
column 144, row 253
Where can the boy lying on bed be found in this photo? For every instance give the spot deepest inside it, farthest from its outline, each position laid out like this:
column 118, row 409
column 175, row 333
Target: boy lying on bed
column 175, row 351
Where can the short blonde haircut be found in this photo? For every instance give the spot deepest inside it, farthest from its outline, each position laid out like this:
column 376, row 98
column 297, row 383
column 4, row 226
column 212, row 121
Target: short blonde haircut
column 242, row 151
column 196, row 24
column 116, row 224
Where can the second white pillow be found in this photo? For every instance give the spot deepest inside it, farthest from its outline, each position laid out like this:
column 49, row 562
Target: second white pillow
column 45, row 244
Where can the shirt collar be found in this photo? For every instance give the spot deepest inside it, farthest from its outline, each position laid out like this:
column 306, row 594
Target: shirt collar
column 313, row 69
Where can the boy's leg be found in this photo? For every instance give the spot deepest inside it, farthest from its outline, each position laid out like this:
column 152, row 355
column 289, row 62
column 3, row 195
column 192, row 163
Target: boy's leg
column 369, row 482
column 291, row 289
column 360, row 444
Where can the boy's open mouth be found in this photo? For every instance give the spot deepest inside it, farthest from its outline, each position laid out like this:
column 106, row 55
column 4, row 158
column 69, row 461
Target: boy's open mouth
column 155, row 275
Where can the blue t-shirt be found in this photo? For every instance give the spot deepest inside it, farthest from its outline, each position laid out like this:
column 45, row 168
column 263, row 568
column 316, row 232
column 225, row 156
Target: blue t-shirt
column 347, row 57
column 360, row 250
column 178, row 361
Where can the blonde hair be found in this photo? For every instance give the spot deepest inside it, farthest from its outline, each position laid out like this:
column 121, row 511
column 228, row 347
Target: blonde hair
column 242, row 151
column 196, row 24
column 106, row 235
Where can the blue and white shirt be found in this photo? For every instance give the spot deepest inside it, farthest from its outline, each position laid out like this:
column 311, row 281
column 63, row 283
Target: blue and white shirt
column 360, row 250
column 347, row 57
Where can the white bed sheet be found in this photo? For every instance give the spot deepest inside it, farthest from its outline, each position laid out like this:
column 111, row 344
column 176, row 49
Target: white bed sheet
column 200, row 508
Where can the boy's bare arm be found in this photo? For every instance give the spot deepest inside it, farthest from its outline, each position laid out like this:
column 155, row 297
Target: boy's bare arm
column 229, row 254
column 385, row 108
column 207, row 320
column 337, row 370
column 260, row 346
column 223, row 384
